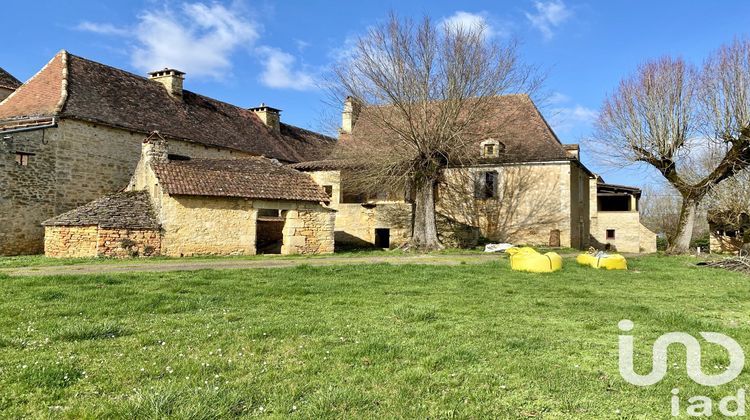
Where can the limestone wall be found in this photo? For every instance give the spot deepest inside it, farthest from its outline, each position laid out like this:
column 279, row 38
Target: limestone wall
column 630, row 235
column 356, row 223
column 532, row 201
column 724, row 244
column 207, row 226
column 92, row 241
column 309, row 230
column 70, row 242
column 72, row 164
column 122, row 243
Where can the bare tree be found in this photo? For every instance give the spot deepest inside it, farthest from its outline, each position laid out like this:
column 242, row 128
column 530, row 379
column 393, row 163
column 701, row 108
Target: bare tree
column 669, row 109
column 425, row 88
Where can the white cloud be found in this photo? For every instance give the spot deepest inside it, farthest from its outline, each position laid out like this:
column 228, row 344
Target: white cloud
column 558, row 98
column 102, row 28
column 279, row 72
column 567, row 119
column 198, row 39
column 549, row 16
column 470, row 21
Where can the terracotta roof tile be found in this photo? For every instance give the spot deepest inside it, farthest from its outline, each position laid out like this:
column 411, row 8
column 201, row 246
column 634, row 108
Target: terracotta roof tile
column 124, row 210
column 74, row 87
column 7, row 80
column 256, row 178
column 514, row 121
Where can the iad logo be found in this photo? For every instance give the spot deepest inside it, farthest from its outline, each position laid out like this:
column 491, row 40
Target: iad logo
column 693, row 356
column 700, row 405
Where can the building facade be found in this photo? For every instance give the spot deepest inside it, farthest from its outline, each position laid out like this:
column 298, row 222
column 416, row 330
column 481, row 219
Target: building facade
column 72, row 134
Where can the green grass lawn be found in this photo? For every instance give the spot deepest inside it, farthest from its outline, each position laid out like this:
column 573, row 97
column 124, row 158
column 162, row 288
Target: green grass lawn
column 359, row 341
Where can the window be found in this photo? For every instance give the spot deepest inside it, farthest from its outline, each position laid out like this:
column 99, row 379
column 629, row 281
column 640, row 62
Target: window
column 610, row 234
column 491, row 148
column 329, row 190
column 486, row 185
column 22, row 159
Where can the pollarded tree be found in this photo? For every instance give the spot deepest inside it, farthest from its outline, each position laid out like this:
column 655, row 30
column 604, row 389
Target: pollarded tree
column 669, row 110
column 426, row 88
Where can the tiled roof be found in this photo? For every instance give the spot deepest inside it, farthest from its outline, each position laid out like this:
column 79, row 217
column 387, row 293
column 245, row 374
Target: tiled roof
column 323, row 165
column 256, row 178
column 74, row 87
column 7, row 80
column 124, row 210
column 513, row 120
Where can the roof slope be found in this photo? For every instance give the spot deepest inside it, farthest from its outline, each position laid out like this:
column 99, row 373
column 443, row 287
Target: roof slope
column 514, row 121
column 257, row 178
column 7, row 80
column 74, row 87
column 124, row 210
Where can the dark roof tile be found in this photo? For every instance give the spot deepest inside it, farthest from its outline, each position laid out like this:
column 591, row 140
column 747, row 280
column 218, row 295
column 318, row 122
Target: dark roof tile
column 123, row 210
column 7, row 80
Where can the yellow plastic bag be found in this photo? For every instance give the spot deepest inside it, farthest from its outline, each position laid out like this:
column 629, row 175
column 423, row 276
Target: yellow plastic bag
column 601, row 260
column 529, row 260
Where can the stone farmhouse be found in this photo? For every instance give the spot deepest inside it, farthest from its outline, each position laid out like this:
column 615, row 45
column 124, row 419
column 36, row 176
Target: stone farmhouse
column 527, row 187
column 73, row 133
column 214, row 178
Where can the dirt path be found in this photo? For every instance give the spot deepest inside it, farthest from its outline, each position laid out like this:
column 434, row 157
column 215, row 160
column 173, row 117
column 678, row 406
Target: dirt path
column 225, row 264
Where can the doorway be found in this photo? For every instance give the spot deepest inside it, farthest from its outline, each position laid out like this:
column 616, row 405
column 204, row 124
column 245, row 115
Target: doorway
column 382, row 238
column 269, row 232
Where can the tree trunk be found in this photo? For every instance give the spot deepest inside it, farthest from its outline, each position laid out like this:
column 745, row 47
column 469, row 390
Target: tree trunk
column 681, row 242
column 424, row 236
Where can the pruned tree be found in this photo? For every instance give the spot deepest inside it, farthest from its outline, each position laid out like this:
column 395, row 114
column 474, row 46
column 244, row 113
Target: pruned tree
column 669, row 110
column 426, row 88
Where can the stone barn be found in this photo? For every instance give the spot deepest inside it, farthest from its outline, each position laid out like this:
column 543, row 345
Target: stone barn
column 179, row 206
column 117, row 225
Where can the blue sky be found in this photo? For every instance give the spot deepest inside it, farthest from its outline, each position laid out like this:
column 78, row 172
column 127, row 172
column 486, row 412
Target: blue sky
column 247, row 52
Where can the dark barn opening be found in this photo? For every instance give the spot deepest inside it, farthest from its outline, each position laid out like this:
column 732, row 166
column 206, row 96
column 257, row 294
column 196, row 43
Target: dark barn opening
column 269, row 234
column 382, row 238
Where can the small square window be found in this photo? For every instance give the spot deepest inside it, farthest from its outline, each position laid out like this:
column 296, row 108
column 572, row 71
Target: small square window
column 22, row 159
column 489, row 149
column 328, row 189
column 610, row 234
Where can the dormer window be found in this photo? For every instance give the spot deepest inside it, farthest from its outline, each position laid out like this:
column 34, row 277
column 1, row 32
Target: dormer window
column 491, row 148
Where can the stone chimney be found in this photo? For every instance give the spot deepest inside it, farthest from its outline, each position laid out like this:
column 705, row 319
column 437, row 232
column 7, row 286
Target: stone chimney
column 573, row 151
column 352, row 108
column 171, row 79
column 271, row 117
column 154, row 148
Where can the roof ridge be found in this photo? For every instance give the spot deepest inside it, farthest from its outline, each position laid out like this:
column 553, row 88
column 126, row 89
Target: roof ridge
column 64, row 84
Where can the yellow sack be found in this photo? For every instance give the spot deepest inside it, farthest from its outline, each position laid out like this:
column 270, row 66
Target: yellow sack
column 529, row 260
column 601, row 260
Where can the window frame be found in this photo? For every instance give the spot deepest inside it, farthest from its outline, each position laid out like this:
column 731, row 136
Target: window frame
column 23, row 158
column 612, row 236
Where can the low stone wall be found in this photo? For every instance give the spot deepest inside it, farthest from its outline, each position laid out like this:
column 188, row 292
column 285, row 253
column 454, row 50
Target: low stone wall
column 309, row 231
column 91, row 241
column 128, row 243
column 70, row 242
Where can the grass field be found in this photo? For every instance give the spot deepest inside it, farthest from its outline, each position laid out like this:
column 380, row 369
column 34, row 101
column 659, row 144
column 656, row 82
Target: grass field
column 359, row 341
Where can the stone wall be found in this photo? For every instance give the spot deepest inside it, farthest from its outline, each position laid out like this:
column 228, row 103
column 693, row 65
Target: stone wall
column 72, row 164
column 356, row 223
column 70, row 242
column 532, row 201
column 724, row 244
column 630, row 234
column 92, row 241
column 128, row 243
column 207, row 226
column 309, row 230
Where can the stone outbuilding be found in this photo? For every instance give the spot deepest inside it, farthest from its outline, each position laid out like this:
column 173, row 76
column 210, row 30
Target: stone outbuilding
column 118, row 225
column 180, row 206
column 729, row 232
